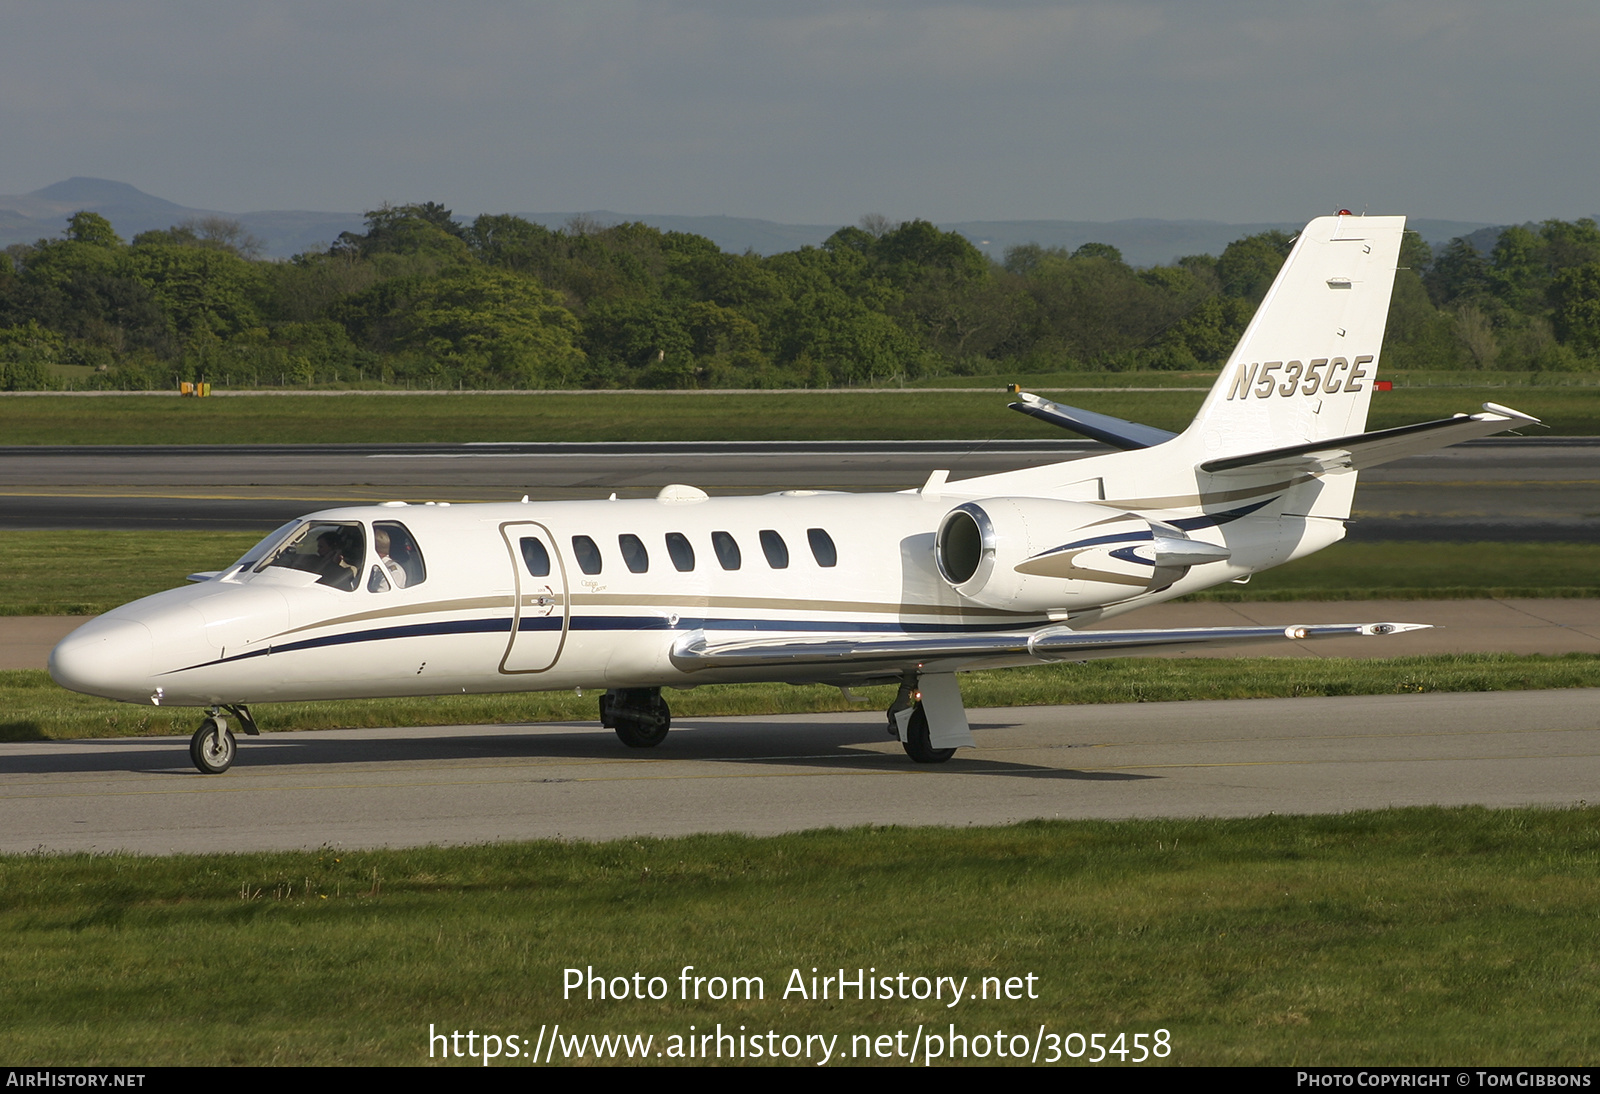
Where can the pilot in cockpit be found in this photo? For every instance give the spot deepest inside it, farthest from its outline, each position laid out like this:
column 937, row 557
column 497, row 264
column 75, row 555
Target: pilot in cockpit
column 332, row 566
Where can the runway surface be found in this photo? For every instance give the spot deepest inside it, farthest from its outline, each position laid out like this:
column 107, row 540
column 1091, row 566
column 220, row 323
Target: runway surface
column 1529, row 488
column 472, row 784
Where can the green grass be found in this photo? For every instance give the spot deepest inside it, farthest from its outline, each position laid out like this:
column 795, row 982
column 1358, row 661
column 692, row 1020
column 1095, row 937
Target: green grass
column 1452, row 937
column 1426, row 571
column 927, row 414
column 92, row 571
column 36, row 709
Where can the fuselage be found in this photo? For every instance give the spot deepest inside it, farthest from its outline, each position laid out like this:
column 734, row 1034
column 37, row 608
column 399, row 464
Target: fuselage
column 517, row 597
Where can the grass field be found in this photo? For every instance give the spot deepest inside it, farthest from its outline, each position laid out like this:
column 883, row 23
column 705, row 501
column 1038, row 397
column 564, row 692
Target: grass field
column 34, row 708
column 598, row 416
column 87, row 572
column 1427, row 936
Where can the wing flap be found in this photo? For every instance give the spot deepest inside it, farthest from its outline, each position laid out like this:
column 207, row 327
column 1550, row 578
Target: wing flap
column 696, row 651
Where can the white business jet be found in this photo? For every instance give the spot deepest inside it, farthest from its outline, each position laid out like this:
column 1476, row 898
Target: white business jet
column 805, row 586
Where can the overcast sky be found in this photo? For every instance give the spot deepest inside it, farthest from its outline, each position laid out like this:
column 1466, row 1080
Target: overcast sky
column 816, row 111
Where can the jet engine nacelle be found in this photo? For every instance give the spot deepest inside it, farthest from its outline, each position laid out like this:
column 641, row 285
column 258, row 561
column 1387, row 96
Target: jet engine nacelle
column 1036, row 554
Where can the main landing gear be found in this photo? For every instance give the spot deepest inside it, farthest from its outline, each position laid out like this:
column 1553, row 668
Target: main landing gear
column 213, row 748
column 639, row 715
column 908, row 722
column 927, row 718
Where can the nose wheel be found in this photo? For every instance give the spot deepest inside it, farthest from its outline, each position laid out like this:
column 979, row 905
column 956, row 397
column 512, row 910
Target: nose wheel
column 212, row 748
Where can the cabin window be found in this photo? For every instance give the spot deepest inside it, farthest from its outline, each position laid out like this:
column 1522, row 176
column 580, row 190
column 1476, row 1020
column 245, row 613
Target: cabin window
column 727, row 549
column 535, row 556
column 822, row 548
column 633, row 552
column 681, row 550
column 587, row 554
column 398, row 554
column 775, row 549
column 333, row 550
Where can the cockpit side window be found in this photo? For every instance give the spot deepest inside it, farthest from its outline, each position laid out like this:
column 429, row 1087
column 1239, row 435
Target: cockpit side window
column 333, row 550
column 397, row 552
column 587, row 554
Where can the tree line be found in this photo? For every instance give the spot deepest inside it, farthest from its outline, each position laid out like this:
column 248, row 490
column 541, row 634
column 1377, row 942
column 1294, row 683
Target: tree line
column 419, row 299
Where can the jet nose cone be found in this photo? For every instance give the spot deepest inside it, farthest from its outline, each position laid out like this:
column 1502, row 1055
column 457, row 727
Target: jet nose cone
column 107, row 657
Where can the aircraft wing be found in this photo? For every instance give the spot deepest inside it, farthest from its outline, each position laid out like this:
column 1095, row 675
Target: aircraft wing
column 856, row 652
column 1365, row 450
column 1117, row 432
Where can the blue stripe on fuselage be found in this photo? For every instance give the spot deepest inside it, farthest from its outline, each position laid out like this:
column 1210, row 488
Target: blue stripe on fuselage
column 537, row 624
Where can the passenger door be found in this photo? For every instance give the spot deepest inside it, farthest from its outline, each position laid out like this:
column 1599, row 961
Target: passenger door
column 539, row 613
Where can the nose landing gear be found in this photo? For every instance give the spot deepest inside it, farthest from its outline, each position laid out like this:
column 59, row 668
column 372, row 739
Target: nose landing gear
column 212, row 748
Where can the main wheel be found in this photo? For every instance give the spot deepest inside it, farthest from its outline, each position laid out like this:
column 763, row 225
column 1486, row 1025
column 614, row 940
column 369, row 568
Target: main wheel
column 917, row 745
column 212, row 748
column 642, row 726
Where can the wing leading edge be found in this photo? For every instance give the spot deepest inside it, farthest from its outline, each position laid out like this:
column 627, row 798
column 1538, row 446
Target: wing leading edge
column 857, row 653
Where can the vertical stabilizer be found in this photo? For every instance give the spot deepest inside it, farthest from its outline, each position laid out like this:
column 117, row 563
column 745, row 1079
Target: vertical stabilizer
column 1305, row 367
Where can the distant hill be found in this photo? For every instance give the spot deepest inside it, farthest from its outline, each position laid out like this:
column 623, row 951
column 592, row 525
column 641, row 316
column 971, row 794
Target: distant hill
column 1143, row 242
column 43, row 213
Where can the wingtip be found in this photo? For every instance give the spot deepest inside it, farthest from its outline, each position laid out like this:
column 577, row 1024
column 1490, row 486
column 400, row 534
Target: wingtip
column 1496, row 408
column 1394, row 628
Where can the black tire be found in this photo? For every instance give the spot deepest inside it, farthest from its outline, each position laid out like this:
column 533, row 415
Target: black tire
column 643, row 729
column 917, row 745
column 212, row 748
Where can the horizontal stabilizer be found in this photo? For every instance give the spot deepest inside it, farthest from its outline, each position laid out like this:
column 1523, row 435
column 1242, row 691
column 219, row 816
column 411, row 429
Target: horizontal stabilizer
column 1371, row 449
column 854, row 652
column 1101, row 427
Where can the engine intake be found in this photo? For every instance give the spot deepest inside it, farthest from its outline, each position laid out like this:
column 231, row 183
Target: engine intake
column 1036, row 554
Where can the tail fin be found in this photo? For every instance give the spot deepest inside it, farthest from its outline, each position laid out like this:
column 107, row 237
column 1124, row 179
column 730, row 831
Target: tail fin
column 1304, row 369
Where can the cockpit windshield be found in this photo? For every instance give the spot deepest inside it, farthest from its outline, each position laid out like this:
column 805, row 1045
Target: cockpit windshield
column 333, row 550
column 265, row 545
